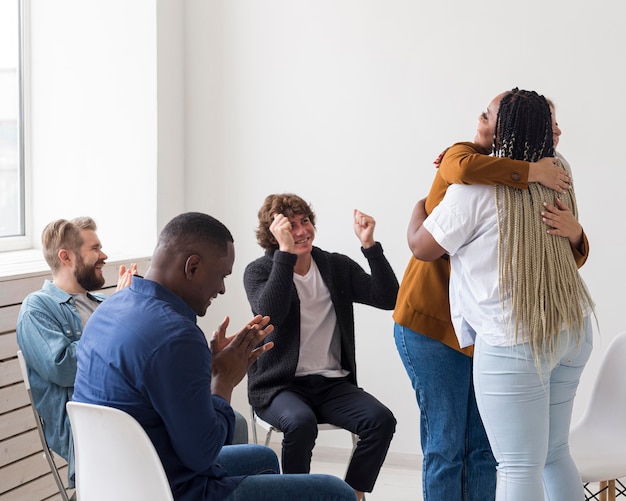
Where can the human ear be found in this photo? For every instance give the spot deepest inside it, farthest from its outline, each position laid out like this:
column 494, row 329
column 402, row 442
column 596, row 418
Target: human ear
column 64, row 256
column 191, row 265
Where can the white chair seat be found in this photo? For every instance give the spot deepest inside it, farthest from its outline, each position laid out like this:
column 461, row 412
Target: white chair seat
column 115, row 458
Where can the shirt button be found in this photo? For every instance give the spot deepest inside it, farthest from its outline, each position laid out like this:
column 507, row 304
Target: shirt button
column 516, row 176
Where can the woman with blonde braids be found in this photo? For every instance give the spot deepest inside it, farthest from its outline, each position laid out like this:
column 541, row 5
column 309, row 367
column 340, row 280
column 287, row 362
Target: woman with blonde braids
column 516, row 293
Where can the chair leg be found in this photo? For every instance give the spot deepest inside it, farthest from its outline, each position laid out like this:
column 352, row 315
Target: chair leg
column 611, row 485
column 355, row 441
column 603, row 488
column 253, row 422
column 268, row 436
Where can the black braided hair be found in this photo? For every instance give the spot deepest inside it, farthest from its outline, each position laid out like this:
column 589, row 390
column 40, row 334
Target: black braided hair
column 523, row 127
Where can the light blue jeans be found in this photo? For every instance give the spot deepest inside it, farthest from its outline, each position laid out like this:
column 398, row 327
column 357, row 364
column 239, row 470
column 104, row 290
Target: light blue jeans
column 527, row 415
column 458, row 464
column 265, row 483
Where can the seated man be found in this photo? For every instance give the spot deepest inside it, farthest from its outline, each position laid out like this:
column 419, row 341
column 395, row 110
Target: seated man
column 310, row 376
column 144, row 353
column 51, row 320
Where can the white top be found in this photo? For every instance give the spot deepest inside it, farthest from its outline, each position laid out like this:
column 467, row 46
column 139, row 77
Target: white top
column 465, row 224
column 319, row 337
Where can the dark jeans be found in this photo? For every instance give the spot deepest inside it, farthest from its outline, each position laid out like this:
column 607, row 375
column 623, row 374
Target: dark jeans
column 458, row 463
column 316, row 399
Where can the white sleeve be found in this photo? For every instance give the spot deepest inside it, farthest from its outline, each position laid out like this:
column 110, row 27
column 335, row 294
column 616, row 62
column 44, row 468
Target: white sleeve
column 453, row 222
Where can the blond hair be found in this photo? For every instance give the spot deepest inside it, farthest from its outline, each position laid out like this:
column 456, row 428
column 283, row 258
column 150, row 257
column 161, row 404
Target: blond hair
column 63, row 234
column 538, row 273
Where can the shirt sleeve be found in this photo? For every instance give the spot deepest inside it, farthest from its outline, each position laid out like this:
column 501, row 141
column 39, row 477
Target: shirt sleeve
column 178, row 381
column 453, row 221
column 467, row 163
column 47, row 343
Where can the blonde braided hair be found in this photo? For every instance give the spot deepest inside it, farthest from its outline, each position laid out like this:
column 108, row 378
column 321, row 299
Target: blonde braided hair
column 538, row 273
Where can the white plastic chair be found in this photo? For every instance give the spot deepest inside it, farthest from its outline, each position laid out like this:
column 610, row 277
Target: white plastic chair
column 47, row 452
column 115, row 458
column 598, row 441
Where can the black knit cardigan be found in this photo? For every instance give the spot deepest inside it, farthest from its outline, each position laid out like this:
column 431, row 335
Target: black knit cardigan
column 269, row 285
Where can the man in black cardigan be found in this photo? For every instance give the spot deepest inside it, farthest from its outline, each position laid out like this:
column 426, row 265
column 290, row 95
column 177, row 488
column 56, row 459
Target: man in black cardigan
column 310, row 375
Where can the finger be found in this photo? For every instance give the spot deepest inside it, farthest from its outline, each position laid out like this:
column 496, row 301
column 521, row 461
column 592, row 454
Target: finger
column 257, row 352
column 221, row 328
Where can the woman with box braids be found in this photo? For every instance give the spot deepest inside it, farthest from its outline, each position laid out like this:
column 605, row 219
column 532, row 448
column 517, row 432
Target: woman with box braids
column 516, row 293
column 538, row 272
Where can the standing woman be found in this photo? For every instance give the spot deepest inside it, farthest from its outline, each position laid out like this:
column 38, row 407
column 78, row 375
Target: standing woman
column 309, row 294
column 516, row 292
column 458, row 463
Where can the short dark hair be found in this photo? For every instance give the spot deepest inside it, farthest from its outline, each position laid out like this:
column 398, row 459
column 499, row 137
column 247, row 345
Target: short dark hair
column 190, row 228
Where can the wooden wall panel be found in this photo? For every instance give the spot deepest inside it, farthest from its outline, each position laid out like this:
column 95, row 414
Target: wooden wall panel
column 24, row 471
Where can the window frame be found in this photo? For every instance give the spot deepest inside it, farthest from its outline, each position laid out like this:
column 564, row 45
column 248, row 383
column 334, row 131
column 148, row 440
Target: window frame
column 23, row 241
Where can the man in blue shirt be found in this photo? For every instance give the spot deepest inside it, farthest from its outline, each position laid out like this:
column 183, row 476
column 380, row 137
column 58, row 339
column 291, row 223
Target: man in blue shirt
column 51, row 321
column 144, row 353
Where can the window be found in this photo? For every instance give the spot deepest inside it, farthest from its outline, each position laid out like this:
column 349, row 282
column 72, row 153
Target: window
column 12, row 189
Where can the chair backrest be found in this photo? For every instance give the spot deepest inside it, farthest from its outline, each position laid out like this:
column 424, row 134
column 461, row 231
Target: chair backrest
column 607, row 405
column 47, row 452
column 115, row 458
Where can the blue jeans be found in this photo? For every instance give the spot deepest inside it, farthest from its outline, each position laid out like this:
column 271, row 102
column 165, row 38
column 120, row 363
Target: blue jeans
column 527, row 415
column 265, row 483
column 458, row 463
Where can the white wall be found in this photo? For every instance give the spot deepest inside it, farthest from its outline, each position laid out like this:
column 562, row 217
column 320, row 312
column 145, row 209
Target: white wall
column 151, row 107
column 93, row 120
column 348, row 102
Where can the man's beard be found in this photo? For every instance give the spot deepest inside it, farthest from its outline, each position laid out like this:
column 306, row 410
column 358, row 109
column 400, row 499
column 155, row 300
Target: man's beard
column 86, row 275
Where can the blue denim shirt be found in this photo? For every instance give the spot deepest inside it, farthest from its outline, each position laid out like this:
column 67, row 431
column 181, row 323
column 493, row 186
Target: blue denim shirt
column 48, row 330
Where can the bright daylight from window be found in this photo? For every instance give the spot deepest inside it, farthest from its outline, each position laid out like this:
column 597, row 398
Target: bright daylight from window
column 11, row 167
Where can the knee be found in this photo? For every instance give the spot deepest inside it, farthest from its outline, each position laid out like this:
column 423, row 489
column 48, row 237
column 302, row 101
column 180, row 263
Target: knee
column 301, row 427
column 386, row 422
column 382, row 425
column 265, row 457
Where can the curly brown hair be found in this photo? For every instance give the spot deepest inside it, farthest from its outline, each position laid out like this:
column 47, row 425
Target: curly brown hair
column 287, row 204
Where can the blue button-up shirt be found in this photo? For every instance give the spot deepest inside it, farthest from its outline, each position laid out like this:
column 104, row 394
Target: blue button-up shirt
column 143, row 353
column 48, row 330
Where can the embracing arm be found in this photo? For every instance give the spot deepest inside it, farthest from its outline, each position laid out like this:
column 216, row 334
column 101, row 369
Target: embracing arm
column 467, row 163
column 561, row 222
column 422, row 244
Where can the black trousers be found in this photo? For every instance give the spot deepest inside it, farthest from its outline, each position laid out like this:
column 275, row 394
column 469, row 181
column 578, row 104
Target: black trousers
column 310, row 400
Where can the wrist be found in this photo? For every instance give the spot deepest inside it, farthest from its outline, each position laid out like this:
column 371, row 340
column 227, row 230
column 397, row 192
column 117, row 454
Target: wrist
column 533, row 172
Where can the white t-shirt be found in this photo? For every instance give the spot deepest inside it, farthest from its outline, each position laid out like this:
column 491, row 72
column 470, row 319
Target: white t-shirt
column 320, row 347
column 465, row 224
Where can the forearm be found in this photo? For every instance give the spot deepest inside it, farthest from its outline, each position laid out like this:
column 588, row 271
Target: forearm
column 466, row 163
column 581, row 250
column 382, row 284
column 269, row 290
column 417, row 220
